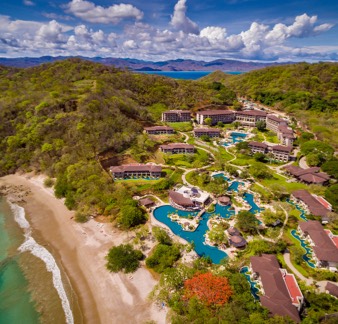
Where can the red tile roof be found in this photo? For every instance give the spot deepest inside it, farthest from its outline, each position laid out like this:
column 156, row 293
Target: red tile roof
column 207, row 130
column 276, row 295
column 215, row 112
column 293, row 288
column 180, row 200
column 312, row 178
column 172, row 146
column 136, row 167
column 257, row 144
column 176, row 111
column 332, row 289
column 276, row 119
column 251, row 113
column 325, row 249
column 315, row 207
column 282, row 148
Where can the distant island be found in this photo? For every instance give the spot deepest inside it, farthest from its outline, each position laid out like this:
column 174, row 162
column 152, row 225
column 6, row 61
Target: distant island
column 140, row 65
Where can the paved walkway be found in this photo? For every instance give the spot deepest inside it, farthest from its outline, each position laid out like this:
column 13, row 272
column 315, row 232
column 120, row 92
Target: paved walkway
column 288, row 262
column 302, row 163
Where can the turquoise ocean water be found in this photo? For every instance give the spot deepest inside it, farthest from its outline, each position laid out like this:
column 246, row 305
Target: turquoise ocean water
column 184, row 75
column 16, row 304
column 33, row 286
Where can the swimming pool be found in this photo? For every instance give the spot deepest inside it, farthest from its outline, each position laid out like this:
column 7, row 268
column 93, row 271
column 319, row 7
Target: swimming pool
column 254, row 290
column 234, row 185
column 221, row 175
column 235, row 138
column 216, row 255
column 249, row 198
column 308, row 251
column 301, row 210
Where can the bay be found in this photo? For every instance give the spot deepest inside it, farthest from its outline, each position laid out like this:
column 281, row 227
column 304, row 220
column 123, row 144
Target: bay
column 184, row 75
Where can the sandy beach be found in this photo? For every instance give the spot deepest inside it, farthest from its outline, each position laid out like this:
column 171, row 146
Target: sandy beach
column 103, row 297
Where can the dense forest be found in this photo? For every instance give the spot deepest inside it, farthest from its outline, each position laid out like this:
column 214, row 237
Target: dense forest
column 309, row 92
column 58, row 118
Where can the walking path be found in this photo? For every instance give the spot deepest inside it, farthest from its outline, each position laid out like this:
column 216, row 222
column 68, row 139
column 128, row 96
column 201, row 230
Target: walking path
column 302, row 163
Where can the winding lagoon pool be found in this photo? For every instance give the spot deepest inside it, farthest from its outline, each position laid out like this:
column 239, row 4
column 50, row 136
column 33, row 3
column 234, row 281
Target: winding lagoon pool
column 300, row 209
column 161, row 214
column 305, row 246
column 253, row 285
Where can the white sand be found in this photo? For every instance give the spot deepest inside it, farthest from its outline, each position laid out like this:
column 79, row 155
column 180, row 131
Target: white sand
column 104, row 297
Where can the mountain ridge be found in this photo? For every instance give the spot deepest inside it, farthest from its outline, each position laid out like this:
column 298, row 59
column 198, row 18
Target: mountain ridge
column 143, row 65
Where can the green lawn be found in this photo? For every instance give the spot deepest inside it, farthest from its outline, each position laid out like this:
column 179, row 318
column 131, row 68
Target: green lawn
column 289, row 186
column 303, row 269
column 225, row 156
column 197, row 160
column 181, row 127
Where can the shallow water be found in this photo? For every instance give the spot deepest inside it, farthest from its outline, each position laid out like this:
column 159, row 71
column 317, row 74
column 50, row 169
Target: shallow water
column 33, row 286
column 16, row 304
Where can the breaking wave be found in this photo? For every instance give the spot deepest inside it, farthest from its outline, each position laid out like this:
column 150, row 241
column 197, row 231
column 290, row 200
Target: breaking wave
column 42, row 253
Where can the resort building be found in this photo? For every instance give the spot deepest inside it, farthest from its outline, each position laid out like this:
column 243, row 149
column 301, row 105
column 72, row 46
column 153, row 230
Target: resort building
column 258, row 147
column 280, row 153
column 280, row 292
column 136, row 170
column 313, row 204
column 285, row 135
column 178, row 201
column 211, row 132
column 158, row 130
column 235, row 238
column 225, row 116
column 188, row 198
column 250, row 117
column 224, row 200
column 331, row 289
column 273, row 123
column 146, row 202
column 323, row 243
column 309, row 176
column 176, row 116
column 177, row 148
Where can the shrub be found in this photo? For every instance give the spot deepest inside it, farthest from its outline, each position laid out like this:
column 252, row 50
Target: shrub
column 123, row 258
column 163, row 257
column 48, row 182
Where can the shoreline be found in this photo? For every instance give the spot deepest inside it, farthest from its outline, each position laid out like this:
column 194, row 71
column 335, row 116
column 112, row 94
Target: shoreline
column 80, row 249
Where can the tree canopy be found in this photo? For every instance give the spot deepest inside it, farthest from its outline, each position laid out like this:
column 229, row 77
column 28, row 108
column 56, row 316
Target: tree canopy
column 211, row 290
column 123, row 258
column 247, row 222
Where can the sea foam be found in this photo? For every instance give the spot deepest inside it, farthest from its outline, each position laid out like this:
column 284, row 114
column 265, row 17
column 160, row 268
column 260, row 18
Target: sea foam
column 42, row 253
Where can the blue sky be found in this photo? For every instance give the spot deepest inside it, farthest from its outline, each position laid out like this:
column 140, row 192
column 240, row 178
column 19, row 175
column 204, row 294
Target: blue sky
column 169, row 29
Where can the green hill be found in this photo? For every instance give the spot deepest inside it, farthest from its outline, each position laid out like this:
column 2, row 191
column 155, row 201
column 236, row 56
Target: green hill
column 57, row 118
column 307, row 91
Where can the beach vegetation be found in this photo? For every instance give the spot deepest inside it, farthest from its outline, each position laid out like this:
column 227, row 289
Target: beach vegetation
column 130, row 215
column 163, row 256
column 161, row 235
column 123, row 258
column 48, row 182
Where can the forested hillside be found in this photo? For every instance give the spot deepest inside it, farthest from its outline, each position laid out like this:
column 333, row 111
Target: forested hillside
column 307, row 91
column 57, row 118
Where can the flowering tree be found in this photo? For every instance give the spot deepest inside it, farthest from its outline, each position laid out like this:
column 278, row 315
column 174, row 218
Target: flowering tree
column 208, row 288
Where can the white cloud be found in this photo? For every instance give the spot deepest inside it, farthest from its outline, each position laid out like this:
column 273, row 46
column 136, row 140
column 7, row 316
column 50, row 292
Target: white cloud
column 88, row 11
column 130, row 44
column 143, row 41
column 213, row 33
column 28, row 3
column 180, row 21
